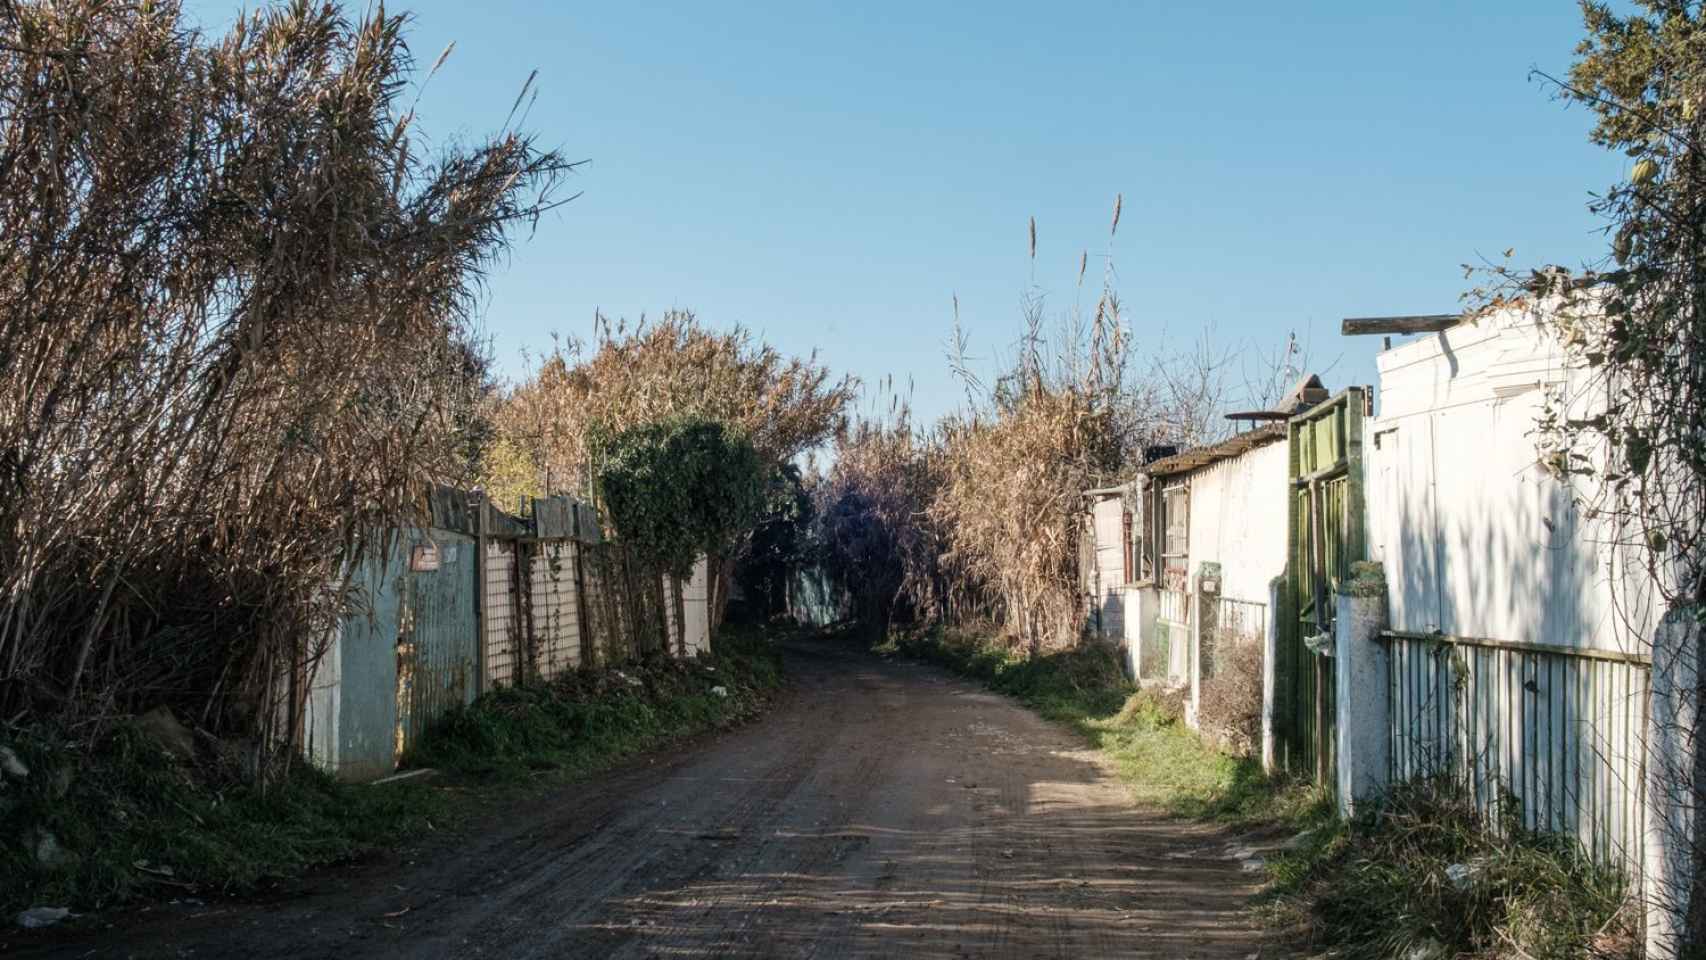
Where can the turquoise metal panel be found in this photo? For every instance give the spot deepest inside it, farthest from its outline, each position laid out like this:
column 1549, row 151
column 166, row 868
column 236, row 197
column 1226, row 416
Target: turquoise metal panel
column 367, row 708
column 410, row 649
column 438, row 644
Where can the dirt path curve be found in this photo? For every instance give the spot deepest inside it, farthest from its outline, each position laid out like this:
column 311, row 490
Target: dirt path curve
column 883, row 809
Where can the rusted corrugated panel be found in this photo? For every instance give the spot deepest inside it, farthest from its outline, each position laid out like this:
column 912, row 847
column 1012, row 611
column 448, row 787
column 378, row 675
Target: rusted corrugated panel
column 437, row 653
column 502, row 633
column 556, row 618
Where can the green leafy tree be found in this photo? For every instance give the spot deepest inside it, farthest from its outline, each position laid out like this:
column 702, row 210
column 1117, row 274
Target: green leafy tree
column 1634, row 321
column 680, row 488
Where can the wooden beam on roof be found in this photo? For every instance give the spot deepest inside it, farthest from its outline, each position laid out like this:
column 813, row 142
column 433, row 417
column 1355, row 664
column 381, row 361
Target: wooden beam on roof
column 1431, row 323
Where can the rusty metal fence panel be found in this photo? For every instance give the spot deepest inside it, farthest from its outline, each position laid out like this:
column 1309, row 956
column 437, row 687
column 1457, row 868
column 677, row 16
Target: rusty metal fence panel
column 1549, row 737
column 553, row 607
column 503, row 656
column 438, row 636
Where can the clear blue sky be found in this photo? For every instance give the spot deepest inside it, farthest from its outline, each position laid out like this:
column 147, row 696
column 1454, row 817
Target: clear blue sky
column 831, row 175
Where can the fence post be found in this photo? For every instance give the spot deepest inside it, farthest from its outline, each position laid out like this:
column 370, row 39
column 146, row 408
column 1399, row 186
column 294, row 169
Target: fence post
column 1205, row 626
column 1270, row 672
column 1361, row 678
column 480, row 601
column 1674, row 881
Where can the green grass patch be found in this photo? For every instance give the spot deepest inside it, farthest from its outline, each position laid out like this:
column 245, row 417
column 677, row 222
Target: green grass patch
column 127, row 820
column 1424, row 874
column 130, row 821
column 584, row 721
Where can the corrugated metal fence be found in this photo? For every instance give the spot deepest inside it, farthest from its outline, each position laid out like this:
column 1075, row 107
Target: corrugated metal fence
column 480, row 599
column 1556, row 731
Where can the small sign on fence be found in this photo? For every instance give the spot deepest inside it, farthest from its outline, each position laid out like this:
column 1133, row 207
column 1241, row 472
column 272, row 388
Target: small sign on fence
column 424, row 557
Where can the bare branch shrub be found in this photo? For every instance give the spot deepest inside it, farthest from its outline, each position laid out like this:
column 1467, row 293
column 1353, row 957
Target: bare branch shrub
column 672, row 367
column 1229, row 708
column 235, row 345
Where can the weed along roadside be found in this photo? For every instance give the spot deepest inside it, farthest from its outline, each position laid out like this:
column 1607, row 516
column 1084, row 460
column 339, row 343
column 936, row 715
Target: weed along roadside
column 1421, row 874
column 125, row 820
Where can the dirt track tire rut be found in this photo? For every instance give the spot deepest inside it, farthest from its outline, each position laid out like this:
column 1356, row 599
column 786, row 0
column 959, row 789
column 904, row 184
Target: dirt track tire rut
column 882, row 809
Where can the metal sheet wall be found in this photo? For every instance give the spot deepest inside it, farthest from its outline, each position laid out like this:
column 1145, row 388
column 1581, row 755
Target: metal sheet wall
column 1555, row 732
column 367, row 648
column 438, row 637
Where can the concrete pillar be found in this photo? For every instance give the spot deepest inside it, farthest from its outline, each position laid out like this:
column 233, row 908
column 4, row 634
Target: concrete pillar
column 1143, row 604
column 1205, row 624
column 1674, row 881
column 1362, row 686
column 1270, row 667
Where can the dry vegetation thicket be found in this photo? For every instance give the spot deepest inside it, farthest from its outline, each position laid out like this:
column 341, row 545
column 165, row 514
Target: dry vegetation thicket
column 981, row 517
column 547, row 426
column 550, row 430
column 235, row 341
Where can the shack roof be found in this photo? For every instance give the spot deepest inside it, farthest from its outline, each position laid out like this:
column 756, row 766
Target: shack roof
column 1196, row 457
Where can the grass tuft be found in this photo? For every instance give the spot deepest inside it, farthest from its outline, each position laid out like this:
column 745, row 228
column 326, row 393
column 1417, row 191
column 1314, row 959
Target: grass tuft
column 584, row 721
column 1424, row 874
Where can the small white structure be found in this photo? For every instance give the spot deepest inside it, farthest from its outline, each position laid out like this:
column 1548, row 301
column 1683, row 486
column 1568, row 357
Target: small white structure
column 1109, row 564
column 1183, row 559
column 1518, row 650
column 1219, row 529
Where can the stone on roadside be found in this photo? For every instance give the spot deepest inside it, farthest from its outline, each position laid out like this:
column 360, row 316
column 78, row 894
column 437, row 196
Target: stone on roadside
column 164, row 729
column 47, row 851
column 11, row 765
column 37, row 917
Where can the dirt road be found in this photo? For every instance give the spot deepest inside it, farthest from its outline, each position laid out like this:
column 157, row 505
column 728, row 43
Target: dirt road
column 883, row 809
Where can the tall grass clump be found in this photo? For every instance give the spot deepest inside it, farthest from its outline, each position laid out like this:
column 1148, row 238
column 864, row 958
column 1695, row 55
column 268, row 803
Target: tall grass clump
column 236, row 343
column 582, row 721
column 1425, row 874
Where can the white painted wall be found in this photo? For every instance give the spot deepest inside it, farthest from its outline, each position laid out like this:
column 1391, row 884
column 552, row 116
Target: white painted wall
column 696, row 606
column 1477, row 538
column 1107, row 525
column 1238, row 519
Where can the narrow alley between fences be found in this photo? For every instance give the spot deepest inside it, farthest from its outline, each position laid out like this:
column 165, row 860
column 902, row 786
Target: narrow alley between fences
column 881, row 809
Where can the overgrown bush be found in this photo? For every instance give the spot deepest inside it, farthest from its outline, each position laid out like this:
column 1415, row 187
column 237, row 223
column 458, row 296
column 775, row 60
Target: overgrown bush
column 1229, row 705
column 237, row 341
column 872, row 523
column 679, row 489
column 1424, row 874
column 582, row 720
